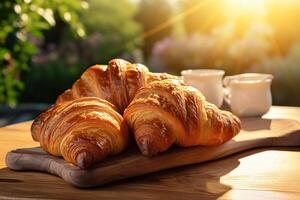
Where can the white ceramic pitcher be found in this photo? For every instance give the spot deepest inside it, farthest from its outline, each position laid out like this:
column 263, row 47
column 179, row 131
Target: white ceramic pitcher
column 249, row 94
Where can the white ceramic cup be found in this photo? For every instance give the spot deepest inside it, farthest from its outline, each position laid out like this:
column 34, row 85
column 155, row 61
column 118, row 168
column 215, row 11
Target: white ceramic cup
column 208, row 81
column 249, row 94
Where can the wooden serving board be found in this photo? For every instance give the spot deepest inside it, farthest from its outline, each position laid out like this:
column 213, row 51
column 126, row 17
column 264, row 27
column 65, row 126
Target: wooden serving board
column 256, row 132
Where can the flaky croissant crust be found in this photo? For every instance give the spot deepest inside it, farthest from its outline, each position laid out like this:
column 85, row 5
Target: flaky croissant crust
column 85, row 125
column 116, row 82
column 83, row 131
column 166, row 112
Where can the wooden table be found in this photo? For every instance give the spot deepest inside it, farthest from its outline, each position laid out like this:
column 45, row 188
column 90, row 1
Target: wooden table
column 270, row 173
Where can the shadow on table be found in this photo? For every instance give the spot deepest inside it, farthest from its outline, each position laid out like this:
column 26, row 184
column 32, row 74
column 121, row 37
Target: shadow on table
column 198, row 181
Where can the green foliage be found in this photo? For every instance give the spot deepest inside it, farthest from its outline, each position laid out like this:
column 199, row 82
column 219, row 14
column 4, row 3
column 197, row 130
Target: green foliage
column 111, row 30
column 47, row 80
column 21, row 21
column 155, row 18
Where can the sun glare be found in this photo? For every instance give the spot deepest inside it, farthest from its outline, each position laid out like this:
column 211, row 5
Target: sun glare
column 256, row 8
column 247, row 4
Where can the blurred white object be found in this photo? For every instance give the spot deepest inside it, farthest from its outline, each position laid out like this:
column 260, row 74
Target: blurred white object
column 208, row 81
column 249, row 94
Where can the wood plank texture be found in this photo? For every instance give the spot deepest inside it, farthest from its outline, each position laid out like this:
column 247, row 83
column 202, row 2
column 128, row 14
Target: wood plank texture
column 256, row 174
column 256, row 132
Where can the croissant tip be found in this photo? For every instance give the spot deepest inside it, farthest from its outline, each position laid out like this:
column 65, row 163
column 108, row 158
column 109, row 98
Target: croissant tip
column 145, row 147
column 82, row 161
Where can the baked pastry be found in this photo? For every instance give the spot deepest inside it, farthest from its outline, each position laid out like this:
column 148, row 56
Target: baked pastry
column 165, row 113
column 85, row 125
column 82, row 131
column 116, row 82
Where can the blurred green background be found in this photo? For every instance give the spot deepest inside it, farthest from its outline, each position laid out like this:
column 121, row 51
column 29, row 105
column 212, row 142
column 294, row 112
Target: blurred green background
column 46, row 45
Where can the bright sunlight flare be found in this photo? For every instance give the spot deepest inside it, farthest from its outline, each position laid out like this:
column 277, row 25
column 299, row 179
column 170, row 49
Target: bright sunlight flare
column 256, row 8
column 247, row 4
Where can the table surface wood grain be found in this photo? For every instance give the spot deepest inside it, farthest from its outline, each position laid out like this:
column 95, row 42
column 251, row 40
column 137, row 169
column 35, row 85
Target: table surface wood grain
column 268, row 173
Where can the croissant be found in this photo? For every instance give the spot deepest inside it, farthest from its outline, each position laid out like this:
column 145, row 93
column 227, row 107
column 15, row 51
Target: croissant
column 116, row 82
column 83, row 131
column 165, row 113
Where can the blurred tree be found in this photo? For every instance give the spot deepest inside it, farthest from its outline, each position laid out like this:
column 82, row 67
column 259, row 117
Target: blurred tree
column 218, row 49
column 154, row 16
column 46, row 80
column 21, row 21
column 201, row 15
column 286, row 71
column 111, row 32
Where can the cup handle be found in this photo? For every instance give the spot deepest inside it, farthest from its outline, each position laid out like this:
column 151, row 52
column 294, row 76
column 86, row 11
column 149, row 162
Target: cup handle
column 226, row 90
column 227, row 80
column 227, row 95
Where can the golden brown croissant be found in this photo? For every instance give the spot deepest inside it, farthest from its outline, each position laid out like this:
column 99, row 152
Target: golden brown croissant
column 117, row 82
column 83, row 131
column 163, row 113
